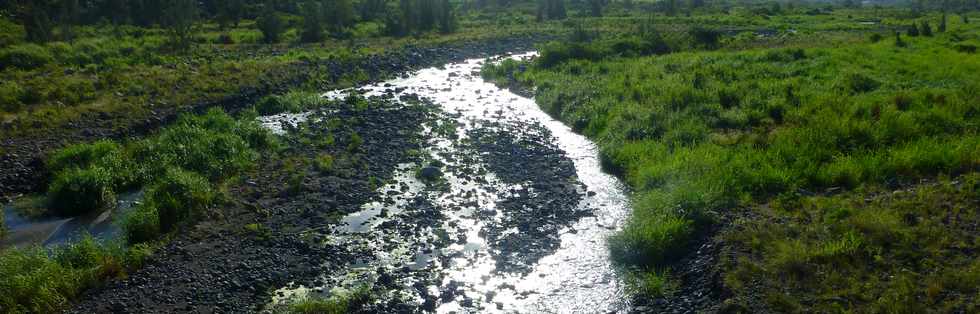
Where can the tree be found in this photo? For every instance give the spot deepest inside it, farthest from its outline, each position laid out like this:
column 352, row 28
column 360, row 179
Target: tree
column 913, row 31
column 312, row 24
column 705, row 37
column 596, row 7
column 230, row 12
column 408, row 17
column 671, row 7
column 693, row 4
column 179, row 18
column 427, row 14
column 68, row 18
column 116, row 10
column 942, row 24
column 373, row 9
column 447, row 17
column 38, row 25
column 339, row 14
column 925, row 29
column 552, row 9
column 269, row 23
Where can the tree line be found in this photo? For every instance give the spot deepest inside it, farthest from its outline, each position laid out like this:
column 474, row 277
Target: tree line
column 48, row 20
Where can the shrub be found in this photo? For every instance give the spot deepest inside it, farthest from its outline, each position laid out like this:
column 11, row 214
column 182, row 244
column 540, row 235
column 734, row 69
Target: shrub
column 142, row 224
column 648, row 283
column 324, row 163
column 554, row 53
column 338, row 304
column 85, row 253
column 704, row 37
column 270, row 24
column 966, row 48
column 859, row 83
column 103, row 154
column 193, row 147
column 876, row 37
column 270, row 105
column 25, row 57
column 651, row 242
column 225, row 39
column 33, row 283
column 38, row 280
column 79, row 191
column 11, row 96
column 912, row 30
column 925, row 29
column 178, row 196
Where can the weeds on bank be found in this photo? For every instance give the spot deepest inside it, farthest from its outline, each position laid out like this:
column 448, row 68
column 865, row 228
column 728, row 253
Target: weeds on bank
column 40, row 281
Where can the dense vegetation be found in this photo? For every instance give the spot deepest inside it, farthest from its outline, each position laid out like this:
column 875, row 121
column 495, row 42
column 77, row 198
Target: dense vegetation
column 814, row 152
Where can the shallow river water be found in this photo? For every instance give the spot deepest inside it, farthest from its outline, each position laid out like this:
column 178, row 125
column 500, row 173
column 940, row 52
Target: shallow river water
column 573, row 277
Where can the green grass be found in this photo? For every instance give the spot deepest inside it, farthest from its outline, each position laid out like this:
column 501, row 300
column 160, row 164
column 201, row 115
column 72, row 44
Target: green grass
column 179, row 196
column 292, row 102
column 697, row 134
column 37, row 281
column 338, row 304
column 79, row 191
column 874, row 249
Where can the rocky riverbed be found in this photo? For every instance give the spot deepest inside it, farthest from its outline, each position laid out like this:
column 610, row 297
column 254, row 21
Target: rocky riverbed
column 442, row 194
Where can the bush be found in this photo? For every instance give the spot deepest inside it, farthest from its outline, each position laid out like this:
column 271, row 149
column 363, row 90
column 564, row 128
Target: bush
column 179, row 196
column 142, row 224
column 876, row 37
column 704, row 37
column 33, row 283
column 103, row 154
column 225, row 39
column 859, row 83
column 554, row 53
column 651, row 242
column 338, row 304
column 11, row 97
column 40, row 280
column 79, row 191
column 966, row 48
column 324, row 163
column 25, row 57
column 270, row 105
column 193, row 147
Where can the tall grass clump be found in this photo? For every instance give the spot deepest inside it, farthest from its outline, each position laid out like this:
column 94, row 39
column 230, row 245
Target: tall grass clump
column 37, row 280
column 179, row 196
column 103, row 154
column 293, row 102
column 79, row 191
column 345, row 302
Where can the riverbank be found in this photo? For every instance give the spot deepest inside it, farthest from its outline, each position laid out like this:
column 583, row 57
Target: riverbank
column 740, row 162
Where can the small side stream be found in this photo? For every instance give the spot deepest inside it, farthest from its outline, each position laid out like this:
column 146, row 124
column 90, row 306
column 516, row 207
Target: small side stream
column 458, row 244
column 24, row 231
